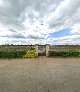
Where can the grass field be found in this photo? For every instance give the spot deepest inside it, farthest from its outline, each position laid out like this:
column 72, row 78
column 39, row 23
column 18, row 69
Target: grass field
column 40, row 75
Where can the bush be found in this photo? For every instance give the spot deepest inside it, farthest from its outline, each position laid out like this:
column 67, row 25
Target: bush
column 19, row 54
column 70, row 53
column 12, row 54
column 30, row 54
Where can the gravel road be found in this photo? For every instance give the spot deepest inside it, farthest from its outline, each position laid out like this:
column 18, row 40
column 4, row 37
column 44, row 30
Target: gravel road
column 40, row 75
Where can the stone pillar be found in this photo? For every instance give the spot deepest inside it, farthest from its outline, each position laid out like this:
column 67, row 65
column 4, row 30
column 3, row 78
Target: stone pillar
column 47, row 49
column 36, row 48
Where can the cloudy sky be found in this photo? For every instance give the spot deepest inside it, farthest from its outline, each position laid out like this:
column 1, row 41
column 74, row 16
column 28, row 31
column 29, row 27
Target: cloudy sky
column 52, row 22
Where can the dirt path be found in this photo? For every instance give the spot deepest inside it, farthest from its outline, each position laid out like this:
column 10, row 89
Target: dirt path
column 40, row 75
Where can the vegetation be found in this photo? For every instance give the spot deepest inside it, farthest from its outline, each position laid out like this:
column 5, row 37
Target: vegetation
column 30, row 54
column 17, row 54
column 69, row 53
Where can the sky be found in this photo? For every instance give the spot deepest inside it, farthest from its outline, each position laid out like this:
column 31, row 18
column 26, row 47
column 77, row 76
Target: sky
column 54, row 22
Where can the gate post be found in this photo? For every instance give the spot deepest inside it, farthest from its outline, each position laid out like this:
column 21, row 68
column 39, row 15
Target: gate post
column 36, row 48
column 47, row 49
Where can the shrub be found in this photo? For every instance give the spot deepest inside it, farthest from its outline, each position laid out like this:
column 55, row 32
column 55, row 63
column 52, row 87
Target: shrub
column 12, row 54
column 30, row 54
column 70, row 53
column 19, row 54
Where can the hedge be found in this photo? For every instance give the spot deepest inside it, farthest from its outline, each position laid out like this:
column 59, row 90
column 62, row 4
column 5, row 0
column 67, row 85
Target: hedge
column 12, row 54
column 17, row 54
column 69, row 53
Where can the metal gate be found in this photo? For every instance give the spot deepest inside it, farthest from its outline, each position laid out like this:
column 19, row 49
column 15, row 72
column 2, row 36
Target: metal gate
column 42, row 50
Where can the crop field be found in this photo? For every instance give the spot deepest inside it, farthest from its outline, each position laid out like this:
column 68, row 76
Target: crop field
column 40, row 75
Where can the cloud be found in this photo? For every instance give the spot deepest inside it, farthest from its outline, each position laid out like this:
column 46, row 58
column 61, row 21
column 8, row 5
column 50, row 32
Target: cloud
column 75, row 28
column 70, row 40
column 18, row 36
column 32, row 21
column 62, row 16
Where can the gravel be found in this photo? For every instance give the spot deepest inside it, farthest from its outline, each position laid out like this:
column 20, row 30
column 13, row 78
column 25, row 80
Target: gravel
column 40, row 75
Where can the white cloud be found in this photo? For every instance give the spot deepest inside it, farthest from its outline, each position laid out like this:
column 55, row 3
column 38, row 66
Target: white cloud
column 31, row 21
column 65, row 15
column 71, row 40
column 2, row 27
column 75, row 29
column 1, row 3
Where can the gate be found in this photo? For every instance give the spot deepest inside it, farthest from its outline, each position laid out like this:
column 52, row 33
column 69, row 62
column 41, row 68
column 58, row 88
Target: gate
column 41, row 50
